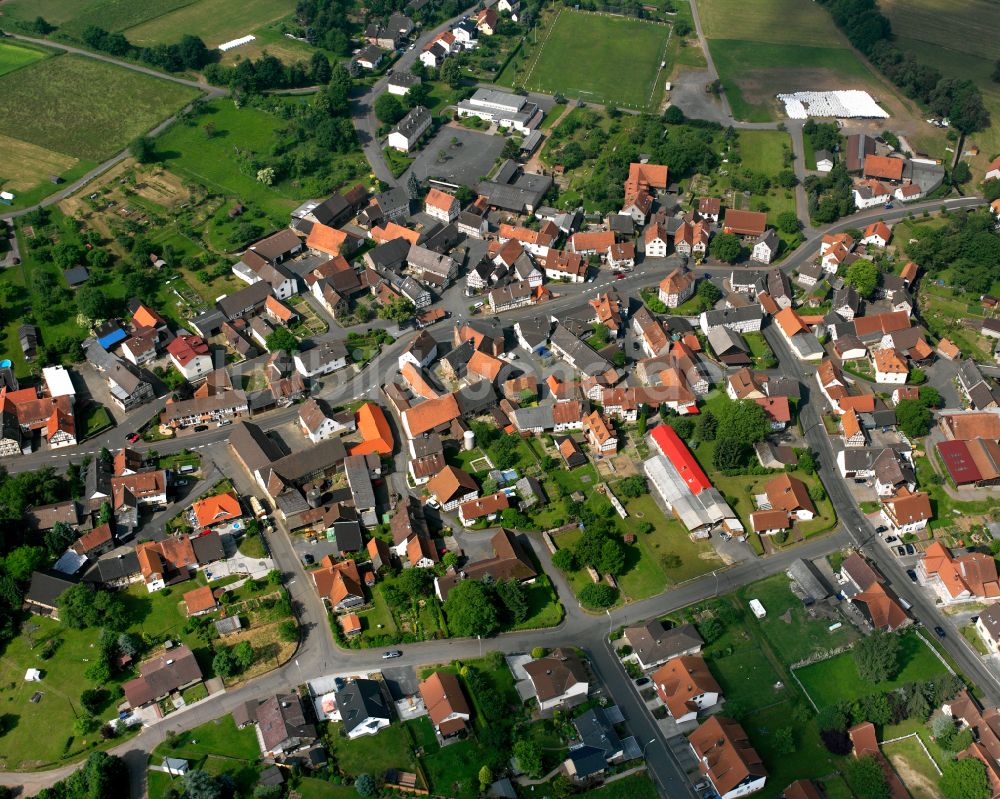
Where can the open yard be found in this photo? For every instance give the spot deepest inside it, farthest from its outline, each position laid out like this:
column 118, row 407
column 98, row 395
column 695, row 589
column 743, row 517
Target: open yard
column 837, row 679
column 609, row 43
column 764, row 150
column 915, row 769
column 108, row 106
column 371, row 754
column 636, row 786
column 215, row 21
column 800, row 24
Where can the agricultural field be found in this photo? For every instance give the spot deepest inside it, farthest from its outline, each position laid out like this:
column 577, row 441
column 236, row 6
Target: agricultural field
column 71, row 17
column 957, row 43
column 215, row 21
column 609, row 42
column 15, row 56
column 109, row 106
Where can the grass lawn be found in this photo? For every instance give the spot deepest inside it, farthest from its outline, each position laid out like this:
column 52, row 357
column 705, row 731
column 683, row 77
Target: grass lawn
column 95, row 419
column 809, row 758
column 800, row 24
column 219, row 737
column 372, row 754
column 791, row 632
column 635, row 786
column 918, row 773
column 377, row 621
column 749, row 677
column 312, row 788
column 544, row 609
column 113, row 15
column 15, row 56
column 946, row 509
column 763, row 150
column 453, row 770
column 913, row 726
column 109, row 106
column 215, row 21
column 609, row 42
column 832, row 680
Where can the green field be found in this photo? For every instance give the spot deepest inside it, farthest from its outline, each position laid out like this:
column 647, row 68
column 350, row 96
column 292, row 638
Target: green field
column 84, row 108
column 215, row 21
column 15, row 56
column 777, row 21
column 764, row 150
column 585, row 56
column 72, row 16
column 836, row 679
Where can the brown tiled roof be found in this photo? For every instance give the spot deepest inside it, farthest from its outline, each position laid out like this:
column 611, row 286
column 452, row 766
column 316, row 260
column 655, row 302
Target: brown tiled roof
column 431, row 413
column 484, row 506
column 200, row 599
column 788, row 493
column 450, row 483
column 725, row 754
column 680, row 680
column 443, row 697
column 555, row 674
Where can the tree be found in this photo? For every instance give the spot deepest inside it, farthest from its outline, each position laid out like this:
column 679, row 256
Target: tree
column 598, row 595
column 243, row 654
column 784, row 741
column 91, row 700
column 529, row 757
column 786, row 179
column 866, row 778
column 319, row 68
column 389, row 109
column 726, row 247
column 730, row 454
column 565, row 559
column 268, row 792
column 877, row 657
column 92, row 302
column 788, row 222
column 965, row 779
column 24, row 560
column 709, row 292
column 961, row 173
column 514, row 597
column 288, row 631
column 611, row 559
column 451, row 73
column 706, row 428
column 399, row 310
column 743, row 421
column 143, row 149
column 471, row 610
column 673, row 115
column 224, row 664
column 413, row 189
column 913, row 417
column 82, row 606
column 916, row 376
column 633, row 487
column 200, row 784
column 365, row 785
column 282, row 339
column 863, row 275
column 485, row 778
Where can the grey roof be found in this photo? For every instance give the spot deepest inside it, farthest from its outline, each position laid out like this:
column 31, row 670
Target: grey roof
column 326, row 454
column 253, row 445
column 359, row 701
column 847, row 296
column 430, row 261
column 727, row 316
column 47, row 587
column 458, row 357
column 990, row 619
column 533, row 417
column 391, row 254
column 724, row 341
column 413, row 121
column 587, row 760
column 250, row 297
column 208, row 548
column 356, row 469
column 407, row 79
column 586, row 359
column 596, row 730
column 476, row 398
column 809, row 580
column 322, row 354
column 209, row 322
column 535, row 331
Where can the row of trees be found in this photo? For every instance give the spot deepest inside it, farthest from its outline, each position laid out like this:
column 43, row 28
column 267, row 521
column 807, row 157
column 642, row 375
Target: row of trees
column 869, row 30
column 189, row 53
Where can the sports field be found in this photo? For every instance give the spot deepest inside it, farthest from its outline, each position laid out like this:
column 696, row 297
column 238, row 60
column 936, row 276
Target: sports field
column 215, row 21
column 14, row 56
column 599, row 58
column 84, row 108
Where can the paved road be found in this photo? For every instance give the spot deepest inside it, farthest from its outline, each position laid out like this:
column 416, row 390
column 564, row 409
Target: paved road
column 100, row 169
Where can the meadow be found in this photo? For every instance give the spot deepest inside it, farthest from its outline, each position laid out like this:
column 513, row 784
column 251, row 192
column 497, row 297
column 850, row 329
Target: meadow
column 599, row 58
column 215, row 21
column 72, row 16
column 777, row 21
column 108, row 106
column 15, row 56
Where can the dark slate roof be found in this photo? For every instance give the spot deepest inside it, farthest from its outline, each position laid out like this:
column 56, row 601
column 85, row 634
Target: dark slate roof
column 46, row 588
column 359, row 701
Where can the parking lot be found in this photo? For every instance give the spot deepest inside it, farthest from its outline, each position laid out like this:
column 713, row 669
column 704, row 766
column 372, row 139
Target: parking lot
column 466, row 160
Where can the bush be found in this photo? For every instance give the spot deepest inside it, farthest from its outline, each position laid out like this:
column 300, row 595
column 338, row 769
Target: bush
column 539, row 652
column 598, row 595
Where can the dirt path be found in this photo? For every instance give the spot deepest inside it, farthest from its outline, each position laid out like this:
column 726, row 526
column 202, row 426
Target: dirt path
column 916, row 783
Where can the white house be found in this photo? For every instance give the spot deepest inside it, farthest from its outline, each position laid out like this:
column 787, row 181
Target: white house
column 993, row 173
column 766, row 247
column 400, row 83
column 557, row 679
column 655, row 239
column 877, row 234
column 409, row 129
column 871, row 193
column 686, row 686
column 988, row 627
column 322, row 359
column 889, row 367
column 824, row 161
column 501, row 108
column 190, row 355
column 907, row 512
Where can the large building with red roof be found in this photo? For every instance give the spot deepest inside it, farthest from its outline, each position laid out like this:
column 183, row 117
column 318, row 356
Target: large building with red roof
column 684, row 487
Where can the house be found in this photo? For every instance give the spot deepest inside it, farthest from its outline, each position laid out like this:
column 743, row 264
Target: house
column 200, row 601
column 744, row 223
column 824, row 160
column 601, row 435
column 324, row 358
column 685, row 685
column 791, row 495
column 889, row 367
column 281, row 725
column 677, row 287
column 993, row 171
column 729, row 346
column 883, row 167
column 339, row 583
column 141, row 348
column 726, row 757
column 653, row 644
column 565, row 265
column 174, row 670
column 777, row 409
column 765, row 247
column 362, row 708
column 190, row 355
column 486, row 21
column 909, row 192
column 503, row 109
column 410, row 129
column 655, row 240
column 510, row 561
column 744, row 384
column 446, row 704
column 853, row 432
column 969, row 577
column 591, row 242
column 450, row 487
column 988, row 627
column 400, row 83
column 906, row 511
column 215, row 510
column 370, row 57
column 770, row 522
column 200, row 410
column 877, row 234
column 864, row 588
column 441, row 205
column 859, row 147
column 871, row 194
column 747, row 319
column 169, row 561
column 692, row 239
column 127, row 388
column 980, row 393
column 560, row 678
column 709, row 208
column 488, row 507
column 376, row 436
column 94, row 543
column 43, row 594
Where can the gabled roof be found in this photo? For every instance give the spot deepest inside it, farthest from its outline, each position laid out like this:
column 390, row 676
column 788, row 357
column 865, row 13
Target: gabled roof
column 553, row 675
column 725, row 753
column 217, row 509
column 376, row 436
column 450, row 483
column 789, row 493
column 680, row 680
column 443, row 696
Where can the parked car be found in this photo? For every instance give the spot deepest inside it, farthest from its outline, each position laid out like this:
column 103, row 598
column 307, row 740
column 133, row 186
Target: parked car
column 392, row 653
column 881, row 528
column 911, row 550
column 308, row 559
column 619, row 275
column 900, row 551
column 912, row 575
column 642, row 681
column 891, row 539
column 133, row 438
column 940, row 631
column 200, row 428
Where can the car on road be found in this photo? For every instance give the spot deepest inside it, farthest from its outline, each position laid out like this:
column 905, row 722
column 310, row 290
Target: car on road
column 888, row 206
column 940, row 631
column 635, row 345
column 911, row 550
column 912, row 575
column 133, row 438
column 619, row 275
column 900, row 551
column 308, row 559
column 392, row 653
